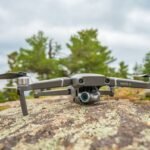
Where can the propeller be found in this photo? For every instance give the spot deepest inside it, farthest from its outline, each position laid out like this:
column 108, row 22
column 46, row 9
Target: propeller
column 10, row 87
column 146, row 75
column 12, row 75
column 143, row 75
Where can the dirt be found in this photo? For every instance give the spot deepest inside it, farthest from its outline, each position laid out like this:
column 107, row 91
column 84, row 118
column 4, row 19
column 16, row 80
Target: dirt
column 58, row 123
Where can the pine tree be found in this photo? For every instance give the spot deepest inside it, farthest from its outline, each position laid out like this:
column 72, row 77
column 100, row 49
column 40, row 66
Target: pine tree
column 87, row 54
column 123, row 70
column 35, row 58
column 147, row 64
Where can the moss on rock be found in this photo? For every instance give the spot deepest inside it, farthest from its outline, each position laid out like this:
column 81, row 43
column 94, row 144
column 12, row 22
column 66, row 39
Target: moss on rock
column 58, row 123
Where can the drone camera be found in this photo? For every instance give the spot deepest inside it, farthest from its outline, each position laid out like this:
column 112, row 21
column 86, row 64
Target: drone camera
column 88, row 94
column 84, row 97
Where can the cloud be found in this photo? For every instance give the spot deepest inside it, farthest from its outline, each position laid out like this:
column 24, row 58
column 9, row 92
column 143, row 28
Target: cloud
column 127, row 46
column 139, row 21
column 123, row 25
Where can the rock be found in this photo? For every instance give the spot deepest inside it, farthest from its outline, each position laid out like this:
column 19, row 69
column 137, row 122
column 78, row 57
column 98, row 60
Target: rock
column 58, row 123
column 2, row 146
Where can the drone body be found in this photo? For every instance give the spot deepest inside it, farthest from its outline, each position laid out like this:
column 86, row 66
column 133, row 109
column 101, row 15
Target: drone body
column 84, row 88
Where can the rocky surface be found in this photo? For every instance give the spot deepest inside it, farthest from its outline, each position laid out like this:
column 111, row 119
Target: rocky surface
column 58, row 123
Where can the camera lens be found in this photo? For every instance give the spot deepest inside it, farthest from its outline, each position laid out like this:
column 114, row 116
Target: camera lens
column 107, row 80
column 80, row 80
column 84, row 97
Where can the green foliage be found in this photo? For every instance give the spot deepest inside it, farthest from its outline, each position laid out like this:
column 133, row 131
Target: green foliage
column 138, row 69
column 10, row 94
column 54, row 49
column 2, row 97
column 123, row 70
column 147, row 63
column 87, row 54
column 12, row 61
column 35, row 58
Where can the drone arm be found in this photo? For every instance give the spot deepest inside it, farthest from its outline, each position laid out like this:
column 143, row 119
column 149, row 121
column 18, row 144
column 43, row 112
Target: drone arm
column 60, row 82
column 130, row 83
column 54, row 92
column 53, row 83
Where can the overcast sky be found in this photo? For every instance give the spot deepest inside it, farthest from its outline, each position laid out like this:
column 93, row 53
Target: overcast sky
column 124, row 26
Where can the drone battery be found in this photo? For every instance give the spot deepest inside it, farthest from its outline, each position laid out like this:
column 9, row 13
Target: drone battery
column 23, row 81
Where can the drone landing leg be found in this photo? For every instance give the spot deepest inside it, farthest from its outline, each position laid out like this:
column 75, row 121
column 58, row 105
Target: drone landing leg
column 23, row 102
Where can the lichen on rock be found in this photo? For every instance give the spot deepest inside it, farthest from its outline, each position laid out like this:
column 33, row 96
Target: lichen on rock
column 58, row 123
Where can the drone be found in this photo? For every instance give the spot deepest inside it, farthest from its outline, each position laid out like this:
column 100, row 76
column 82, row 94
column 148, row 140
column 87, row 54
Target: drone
column 84, row 88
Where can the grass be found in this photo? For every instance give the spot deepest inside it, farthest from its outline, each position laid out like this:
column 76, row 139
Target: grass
column 4, row 107
column 131, row 94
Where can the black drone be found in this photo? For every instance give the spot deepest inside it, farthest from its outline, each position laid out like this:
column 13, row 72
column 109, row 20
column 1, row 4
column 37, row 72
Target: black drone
column 84, row 88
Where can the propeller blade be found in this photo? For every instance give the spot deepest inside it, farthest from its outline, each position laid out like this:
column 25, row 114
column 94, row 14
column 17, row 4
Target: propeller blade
column 143, row 75
column 12, row 75
column 146, row 75
column 11, row 87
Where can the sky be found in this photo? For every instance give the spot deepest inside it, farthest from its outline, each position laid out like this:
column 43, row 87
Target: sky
column 124, row 26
